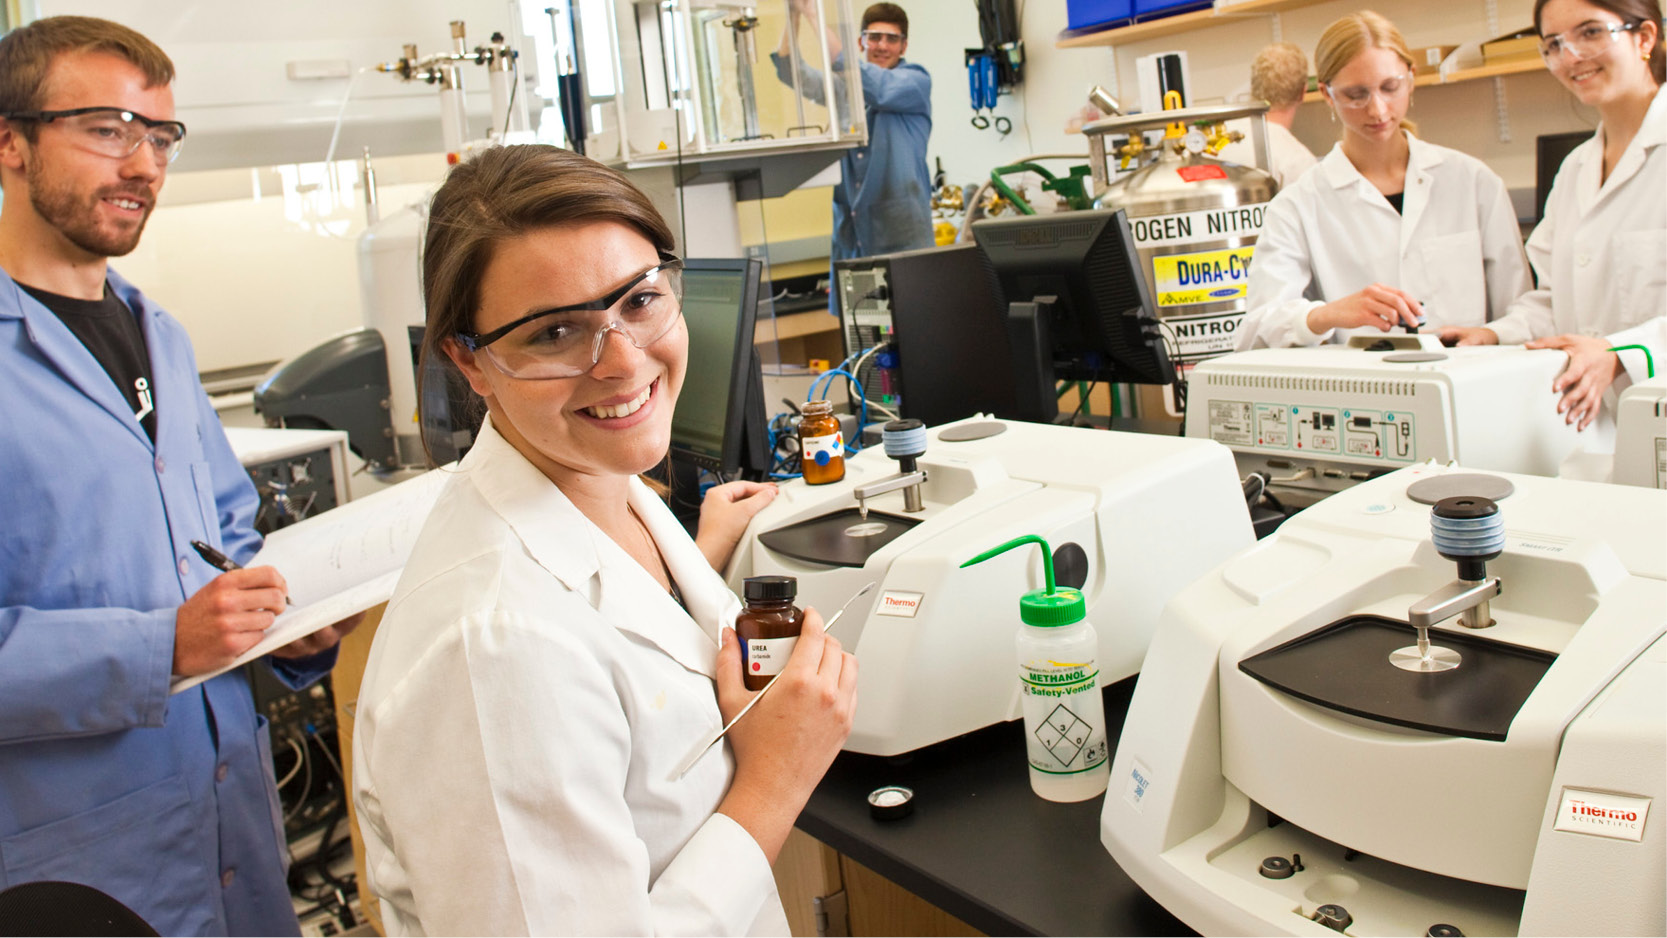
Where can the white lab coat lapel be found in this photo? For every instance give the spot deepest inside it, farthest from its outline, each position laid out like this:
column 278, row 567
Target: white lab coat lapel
column 575, row 551
column 1415, row 192
column 1341, row 173
column 633, row 601
column 711, row 603
column 1650, row 134
column 1587, row 179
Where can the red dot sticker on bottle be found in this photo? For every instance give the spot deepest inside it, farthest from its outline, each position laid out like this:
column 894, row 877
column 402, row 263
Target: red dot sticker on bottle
column 1201, row 172
column 757, row 666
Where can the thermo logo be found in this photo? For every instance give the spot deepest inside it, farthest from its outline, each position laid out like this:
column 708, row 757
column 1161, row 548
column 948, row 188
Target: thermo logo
column 1602, row 814
column 900, row 604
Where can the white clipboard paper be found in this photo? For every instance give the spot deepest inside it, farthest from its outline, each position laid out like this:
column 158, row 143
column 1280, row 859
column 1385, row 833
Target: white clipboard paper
column 340, row 562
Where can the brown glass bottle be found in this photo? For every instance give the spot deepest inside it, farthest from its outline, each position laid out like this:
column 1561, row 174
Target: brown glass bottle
column 821, row 445
column 768, row 627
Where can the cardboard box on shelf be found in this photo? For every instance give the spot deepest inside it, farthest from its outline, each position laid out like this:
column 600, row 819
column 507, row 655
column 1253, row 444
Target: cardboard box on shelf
column 1522, row 44
column 1427, row 61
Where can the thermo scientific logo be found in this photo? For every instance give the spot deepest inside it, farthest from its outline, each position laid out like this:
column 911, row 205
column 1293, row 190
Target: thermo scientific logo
column 898, row 603
column 1612, row 815
column 1602, row 814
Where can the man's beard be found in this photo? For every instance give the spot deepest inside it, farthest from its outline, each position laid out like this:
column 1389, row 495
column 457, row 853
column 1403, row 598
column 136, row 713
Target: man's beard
column 76, row 216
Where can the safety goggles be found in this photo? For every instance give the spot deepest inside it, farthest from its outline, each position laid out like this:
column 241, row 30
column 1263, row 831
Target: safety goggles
column 1356, row 98
column 1585, row 40
column 112, row 131
column 567, row 341
column 875, row 37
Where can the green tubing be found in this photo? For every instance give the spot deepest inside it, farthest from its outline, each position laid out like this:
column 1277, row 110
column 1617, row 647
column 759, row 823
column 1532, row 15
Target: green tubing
column 1649, row 360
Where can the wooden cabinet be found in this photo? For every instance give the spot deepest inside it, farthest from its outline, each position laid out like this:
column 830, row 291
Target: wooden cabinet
column 827, row 893
column 348, row 674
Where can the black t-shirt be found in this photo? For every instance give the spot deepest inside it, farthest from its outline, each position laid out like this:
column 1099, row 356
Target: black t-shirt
column 1395, row 202
column 111, row 332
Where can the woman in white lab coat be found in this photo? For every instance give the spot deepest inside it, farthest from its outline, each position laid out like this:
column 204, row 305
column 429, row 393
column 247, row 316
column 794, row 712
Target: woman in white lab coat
column 557, row 645
column 1387, row 230
column 1600, row 253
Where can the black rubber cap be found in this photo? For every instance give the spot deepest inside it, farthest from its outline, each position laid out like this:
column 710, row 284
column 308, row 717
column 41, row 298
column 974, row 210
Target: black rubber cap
column 896, row 426
column 770, row 589
column 1443, row 930
column 1466, row 506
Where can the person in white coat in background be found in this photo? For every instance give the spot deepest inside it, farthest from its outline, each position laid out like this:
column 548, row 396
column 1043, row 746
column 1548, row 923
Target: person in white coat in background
column 557, row 645
column 1600, row 252
column 1387, row 230
column 1279, row 76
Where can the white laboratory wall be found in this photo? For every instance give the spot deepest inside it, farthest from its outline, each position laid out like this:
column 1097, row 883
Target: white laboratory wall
column 261, row 265
column 233, row 59
column 1056, row 84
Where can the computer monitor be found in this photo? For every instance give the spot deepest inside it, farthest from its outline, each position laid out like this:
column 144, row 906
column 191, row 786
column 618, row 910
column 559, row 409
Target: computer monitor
column 1078, row 307
column 719, row 421
column 941, row 313
column 1549, row 153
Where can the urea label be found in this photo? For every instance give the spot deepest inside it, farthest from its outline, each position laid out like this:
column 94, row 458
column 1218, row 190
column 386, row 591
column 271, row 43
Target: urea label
column 767, row 656
column 1062, row 703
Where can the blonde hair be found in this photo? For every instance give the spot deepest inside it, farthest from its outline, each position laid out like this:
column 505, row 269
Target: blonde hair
column 1348, row 37
column 1279, row 75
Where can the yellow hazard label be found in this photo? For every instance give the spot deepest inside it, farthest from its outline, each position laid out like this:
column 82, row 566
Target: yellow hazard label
column 662, row 145
column 1205, row 277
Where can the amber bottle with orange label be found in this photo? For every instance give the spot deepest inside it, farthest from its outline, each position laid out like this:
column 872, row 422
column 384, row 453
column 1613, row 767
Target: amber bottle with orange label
column 821, row 444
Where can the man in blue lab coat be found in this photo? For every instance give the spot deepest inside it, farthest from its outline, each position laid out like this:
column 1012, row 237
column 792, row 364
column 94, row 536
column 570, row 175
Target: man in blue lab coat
column 883, row 202
column 113, row 461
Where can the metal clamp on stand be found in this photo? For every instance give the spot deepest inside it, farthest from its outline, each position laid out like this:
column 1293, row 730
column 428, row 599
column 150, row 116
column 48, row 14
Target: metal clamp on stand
column 1470, row 531
column 904, row 440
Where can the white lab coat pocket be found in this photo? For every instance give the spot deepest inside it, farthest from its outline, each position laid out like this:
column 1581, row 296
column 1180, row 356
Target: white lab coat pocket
column 1454, row 290
column 1641, row 269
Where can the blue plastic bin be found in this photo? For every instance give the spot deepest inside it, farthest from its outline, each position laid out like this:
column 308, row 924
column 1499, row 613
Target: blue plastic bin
column 1151, row 8
column 1097, row 14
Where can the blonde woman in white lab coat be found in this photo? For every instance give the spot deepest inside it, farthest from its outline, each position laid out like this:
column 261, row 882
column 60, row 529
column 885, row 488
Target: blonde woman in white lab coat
column 1600, row 253
column 557, row 644
column 1387, row 230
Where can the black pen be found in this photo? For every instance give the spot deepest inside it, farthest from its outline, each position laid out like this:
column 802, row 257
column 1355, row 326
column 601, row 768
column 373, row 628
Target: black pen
column 221, row 562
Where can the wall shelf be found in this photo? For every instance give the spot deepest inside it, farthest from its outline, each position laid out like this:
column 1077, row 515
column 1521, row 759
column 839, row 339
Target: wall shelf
column 1497, row 70
column 1180, row 23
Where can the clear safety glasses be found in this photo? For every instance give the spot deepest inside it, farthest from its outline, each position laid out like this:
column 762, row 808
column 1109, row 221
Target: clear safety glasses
column 567, row 341
column 875, row 37
column 112, row 131
column 1586, row 40
column 1356, row 98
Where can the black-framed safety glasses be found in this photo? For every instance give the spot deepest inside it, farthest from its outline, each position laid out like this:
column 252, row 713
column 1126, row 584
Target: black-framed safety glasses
column 112, row 131
column 565, row 342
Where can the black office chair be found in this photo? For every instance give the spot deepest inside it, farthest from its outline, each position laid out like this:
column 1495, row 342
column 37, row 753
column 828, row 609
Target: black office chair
column 56, row 908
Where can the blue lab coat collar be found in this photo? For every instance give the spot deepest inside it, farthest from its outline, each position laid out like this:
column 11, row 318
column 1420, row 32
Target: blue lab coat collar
column 58, row 345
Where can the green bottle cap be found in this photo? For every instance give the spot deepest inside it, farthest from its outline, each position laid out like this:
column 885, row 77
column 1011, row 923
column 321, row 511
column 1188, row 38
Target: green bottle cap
column 1047, row 608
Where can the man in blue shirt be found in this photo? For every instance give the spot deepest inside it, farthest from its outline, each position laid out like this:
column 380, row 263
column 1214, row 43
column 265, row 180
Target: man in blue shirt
column 113, row 462
column 883, row 202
